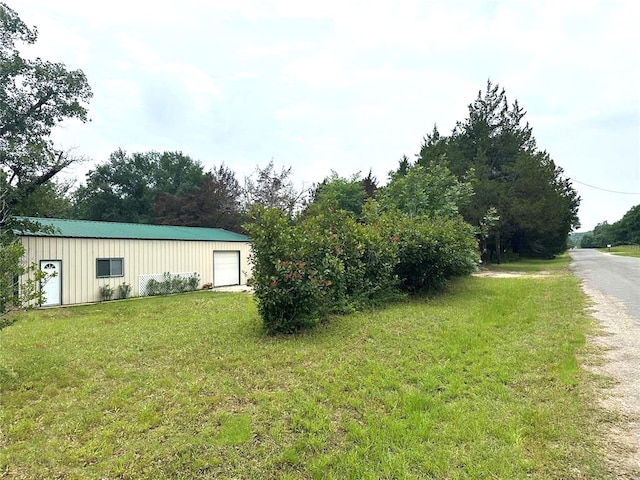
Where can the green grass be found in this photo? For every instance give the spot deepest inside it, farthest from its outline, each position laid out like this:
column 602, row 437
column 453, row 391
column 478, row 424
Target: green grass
column 479, row 382
column 533, row 265
column 624, row 250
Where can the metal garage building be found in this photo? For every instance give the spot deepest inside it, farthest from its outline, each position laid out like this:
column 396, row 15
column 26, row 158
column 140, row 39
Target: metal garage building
column 86, row 255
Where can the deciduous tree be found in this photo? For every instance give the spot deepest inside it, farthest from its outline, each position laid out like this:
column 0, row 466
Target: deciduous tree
column 35, row 96
column 347, row 194
column 628, row 227
column 217, row 203
column 431, row 190
column 270, row 188
column 125, row 188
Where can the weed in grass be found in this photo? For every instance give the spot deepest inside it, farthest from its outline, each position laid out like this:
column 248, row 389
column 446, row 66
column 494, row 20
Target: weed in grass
column 234, row 430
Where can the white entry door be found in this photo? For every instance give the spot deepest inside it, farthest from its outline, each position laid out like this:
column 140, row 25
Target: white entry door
column 51, row 286
column 226, row 268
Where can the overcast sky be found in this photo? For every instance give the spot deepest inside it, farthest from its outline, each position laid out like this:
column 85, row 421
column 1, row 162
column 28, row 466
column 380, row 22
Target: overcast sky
column 351, row 85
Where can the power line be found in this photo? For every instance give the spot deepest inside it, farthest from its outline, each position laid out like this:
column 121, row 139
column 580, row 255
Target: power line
column 603, row 189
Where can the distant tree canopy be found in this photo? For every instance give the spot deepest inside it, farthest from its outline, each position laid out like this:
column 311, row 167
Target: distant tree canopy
column 534, row 207
column 216, row 203
column 625, row 231
column 173, row 189
column 126, row 187
column 50, row 200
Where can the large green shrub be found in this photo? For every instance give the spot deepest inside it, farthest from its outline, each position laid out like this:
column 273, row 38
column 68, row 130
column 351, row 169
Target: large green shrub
column 329, row 263
column 171, row 283
column 328, row 242
column 358, row 258
column 294, row 297
column 289, row 290
column 433, row 250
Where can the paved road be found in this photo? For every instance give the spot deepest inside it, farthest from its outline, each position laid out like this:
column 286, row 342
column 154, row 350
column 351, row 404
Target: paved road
column 613, row 284
column 612, row 275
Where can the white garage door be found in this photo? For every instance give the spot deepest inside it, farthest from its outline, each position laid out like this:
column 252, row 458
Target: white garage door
column 226, row 268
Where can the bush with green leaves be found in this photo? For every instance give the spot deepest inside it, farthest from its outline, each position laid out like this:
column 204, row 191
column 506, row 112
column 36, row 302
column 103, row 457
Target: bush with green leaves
column 288, row 290
column 124, row 290
column 329, row 263
column 432, row 250
column 153, row 288
column 106, row 292
column 326, row 241
column 294, row 297
column 192, row 282
column 357, row 259
column 326, row 263
column 13, row 294
column 171, row 283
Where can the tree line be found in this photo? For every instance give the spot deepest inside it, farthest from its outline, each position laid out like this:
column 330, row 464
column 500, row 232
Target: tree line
column 625, row 231
column 173, row 189
column 484, row 191
column 516, row 196
column 486, row 180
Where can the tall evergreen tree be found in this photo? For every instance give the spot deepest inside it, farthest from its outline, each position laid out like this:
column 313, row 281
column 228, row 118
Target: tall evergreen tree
column 536, row 207
column 370, row 185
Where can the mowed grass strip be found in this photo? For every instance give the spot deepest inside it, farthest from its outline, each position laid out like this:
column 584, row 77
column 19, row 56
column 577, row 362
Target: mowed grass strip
column 558, row 264
column 479, row 382
column 623, row 250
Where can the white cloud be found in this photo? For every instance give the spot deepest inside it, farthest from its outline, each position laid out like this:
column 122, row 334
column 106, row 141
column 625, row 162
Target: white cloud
column 325, row 69
column 352, row 84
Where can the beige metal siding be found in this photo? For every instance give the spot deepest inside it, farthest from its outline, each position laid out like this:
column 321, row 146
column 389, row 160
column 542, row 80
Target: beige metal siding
column 78, row 255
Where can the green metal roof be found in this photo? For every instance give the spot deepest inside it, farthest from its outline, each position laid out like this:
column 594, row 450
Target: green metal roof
column 90, row 229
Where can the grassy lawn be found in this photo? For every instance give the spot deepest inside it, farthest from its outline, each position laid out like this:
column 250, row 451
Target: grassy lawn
column 625, row 250
column 533, row 265
column 479, row 382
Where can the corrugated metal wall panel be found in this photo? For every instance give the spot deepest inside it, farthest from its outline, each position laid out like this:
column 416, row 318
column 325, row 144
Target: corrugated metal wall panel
column 78, row 256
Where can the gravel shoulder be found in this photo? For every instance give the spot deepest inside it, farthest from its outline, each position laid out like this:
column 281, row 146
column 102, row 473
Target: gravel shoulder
column 619, row 342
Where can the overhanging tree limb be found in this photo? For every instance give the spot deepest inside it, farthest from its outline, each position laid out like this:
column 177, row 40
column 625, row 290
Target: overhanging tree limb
column 35, row 96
